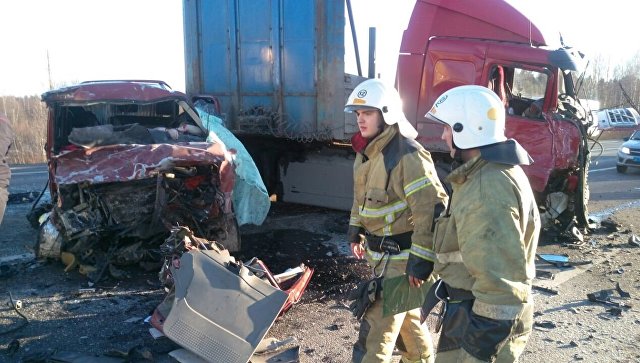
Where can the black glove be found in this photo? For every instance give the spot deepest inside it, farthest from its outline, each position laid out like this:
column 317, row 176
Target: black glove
column 363, row 296
column 419, row 267
column 484, row 337
column 354, row 234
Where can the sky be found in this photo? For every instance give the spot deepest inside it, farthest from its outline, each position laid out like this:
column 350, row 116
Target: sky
column 63, row 42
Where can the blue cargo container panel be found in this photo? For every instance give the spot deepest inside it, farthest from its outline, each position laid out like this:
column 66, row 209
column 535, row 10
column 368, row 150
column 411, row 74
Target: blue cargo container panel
column 277, row 66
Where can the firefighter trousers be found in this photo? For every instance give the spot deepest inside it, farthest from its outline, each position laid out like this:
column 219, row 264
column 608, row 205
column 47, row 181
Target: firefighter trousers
column 379, row 335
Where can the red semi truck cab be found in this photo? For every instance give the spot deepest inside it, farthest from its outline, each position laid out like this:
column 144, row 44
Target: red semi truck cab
column 277, row 71
column 489, row 43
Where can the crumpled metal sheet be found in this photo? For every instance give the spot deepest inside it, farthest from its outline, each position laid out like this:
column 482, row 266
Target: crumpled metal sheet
column 221, row 310
column 130, row 162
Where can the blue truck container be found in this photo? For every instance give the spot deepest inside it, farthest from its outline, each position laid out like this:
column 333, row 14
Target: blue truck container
column 277, row 69
column 283, row 57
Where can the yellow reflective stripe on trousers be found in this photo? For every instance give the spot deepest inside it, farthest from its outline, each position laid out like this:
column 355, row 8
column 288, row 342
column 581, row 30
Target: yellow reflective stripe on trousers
column 416, row 185
column 377, row 256
column 384, row 211
column 497, row 312
column 423, row 252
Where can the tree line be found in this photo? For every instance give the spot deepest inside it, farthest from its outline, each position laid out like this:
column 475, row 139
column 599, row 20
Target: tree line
column 603, row 82
column 28, row 118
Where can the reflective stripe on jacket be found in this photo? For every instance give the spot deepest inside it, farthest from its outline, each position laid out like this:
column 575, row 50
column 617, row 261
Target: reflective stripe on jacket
column 486, row 243
column 398, row 201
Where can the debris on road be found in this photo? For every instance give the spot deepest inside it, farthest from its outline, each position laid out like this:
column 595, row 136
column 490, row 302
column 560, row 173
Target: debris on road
column 545, row 289
column 213, row 298
column 606, row 297
column 16, row 306
column 560, row 261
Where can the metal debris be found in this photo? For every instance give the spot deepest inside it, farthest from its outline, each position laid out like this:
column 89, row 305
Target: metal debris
column 606, row 297
column 544, row 325
column 543, row 274
column 560, row 261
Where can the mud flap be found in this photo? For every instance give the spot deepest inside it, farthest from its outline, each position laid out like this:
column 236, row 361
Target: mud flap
column 221, row 311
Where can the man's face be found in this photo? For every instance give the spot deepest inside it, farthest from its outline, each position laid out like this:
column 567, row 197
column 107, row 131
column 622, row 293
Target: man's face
column 447, row 136
column 369, row 122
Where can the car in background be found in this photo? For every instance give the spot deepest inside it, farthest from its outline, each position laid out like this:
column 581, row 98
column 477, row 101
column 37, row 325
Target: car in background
column 629, row 153
column 128, row 161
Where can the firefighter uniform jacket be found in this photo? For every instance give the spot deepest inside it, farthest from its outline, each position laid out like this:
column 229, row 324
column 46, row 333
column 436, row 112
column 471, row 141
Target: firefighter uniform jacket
column 394, row 199
column 485, row 243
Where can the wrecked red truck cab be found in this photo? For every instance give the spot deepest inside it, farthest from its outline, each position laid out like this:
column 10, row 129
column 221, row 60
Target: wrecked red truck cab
column 452, row 43
column 127, row 161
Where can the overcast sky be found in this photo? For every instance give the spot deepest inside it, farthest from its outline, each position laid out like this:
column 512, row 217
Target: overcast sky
column 79, row 40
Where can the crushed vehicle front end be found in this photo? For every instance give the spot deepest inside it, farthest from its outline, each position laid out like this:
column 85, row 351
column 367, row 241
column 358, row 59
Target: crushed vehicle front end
column 129, row 160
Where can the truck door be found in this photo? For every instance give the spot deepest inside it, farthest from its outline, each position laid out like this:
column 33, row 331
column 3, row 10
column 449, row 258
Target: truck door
column 526, row 92
column 422, row 78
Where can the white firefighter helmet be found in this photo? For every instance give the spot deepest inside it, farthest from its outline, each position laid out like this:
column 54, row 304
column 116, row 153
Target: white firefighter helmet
column 475, row 113
column 374, row 93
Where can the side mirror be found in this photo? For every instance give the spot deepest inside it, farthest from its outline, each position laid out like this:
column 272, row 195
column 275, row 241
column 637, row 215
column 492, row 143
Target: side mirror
column 625, row 139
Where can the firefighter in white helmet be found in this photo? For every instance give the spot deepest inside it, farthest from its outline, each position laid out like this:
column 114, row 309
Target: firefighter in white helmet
column 397, row 195
column 486, row 240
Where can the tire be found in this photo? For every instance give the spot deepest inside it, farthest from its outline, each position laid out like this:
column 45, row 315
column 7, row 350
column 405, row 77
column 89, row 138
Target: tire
column 582, row 197
column 621, row 169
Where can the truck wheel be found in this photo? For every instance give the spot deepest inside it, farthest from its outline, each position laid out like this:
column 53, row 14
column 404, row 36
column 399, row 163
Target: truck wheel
column 621, row 169
column 582, row 197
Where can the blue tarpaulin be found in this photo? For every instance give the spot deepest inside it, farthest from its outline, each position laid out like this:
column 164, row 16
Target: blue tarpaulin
column 250, row 198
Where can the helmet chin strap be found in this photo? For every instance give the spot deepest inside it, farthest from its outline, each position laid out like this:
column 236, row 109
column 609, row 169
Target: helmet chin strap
column 457, row 154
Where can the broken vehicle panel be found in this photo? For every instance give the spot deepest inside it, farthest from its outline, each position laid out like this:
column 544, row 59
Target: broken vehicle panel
column 127, row 161
column 217, row 307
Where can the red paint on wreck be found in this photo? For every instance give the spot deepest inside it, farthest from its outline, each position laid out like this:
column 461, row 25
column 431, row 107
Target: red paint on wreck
column 119, row 163
column 132, row 91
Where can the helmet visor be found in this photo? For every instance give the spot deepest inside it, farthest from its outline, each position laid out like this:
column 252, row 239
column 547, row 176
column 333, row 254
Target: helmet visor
column 431, row 117
column 353, row 108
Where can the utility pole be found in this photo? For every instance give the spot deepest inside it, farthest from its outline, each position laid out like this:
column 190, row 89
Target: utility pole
column 49, row 71
column 626, row 96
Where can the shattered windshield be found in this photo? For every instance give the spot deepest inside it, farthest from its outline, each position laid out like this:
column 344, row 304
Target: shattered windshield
column 100, row 124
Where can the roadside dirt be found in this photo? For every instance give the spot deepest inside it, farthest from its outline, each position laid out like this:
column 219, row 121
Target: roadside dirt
column 66, row 314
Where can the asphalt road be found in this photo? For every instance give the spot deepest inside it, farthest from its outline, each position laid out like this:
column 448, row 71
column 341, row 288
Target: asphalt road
column 28, row 178
column 610, row 189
